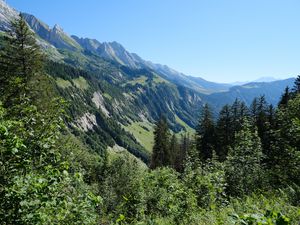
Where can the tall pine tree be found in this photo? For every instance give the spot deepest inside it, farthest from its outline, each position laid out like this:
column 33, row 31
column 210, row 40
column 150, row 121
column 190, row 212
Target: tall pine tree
column 243, row 167
column 161, row 155
column 239, row 112
column 284, row 153
column 263, row 119
column 175, row 152
column 205, row 134
column 285, row 97
column 224, row 132
column 296, row 88
column 20, row 62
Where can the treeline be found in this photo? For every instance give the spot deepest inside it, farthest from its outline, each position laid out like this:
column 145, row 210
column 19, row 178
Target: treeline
column 254, row 150
column 259, row 136
column 240, row 168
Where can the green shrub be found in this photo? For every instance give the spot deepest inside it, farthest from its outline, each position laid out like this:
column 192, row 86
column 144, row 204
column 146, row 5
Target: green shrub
column 166, row 196
column 208, row 183
column 50, row 197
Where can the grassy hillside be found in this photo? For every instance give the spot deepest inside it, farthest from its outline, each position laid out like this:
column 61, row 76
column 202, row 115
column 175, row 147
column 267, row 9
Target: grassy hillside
column 143, row 132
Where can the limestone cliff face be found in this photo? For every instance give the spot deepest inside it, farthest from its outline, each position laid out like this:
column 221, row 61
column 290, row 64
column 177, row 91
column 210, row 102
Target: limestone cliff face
column 55, row 36
column 60, row 39
column 116, row 52
column 110, row 50
column 38, row 26
column 89, row 44
column 7, row 14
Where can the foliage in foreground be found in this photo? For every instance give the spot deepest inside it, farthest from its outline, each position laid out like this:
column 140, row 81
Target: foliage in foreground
column 36, row 184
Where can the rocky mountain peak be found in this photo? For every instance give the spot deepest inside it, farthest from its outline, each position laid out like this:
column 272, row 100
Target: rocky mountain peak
column 117, row 45
column 55, row 36
column 57, row 28
column 115, row 51
column 87, row 43
column 36, row 24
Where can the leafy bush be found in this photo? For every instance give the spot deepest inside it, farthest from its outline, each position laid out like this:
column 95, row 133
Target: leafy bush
column 269, row 218
column 208, row 183
column 50, row 197
column 243, row 166
column 167, row 196
column 122, row 190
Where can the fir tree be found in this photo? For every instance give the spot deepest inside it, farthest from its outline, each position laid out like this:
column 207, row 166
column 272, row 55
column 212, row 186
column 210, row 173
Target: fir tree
column 243, row 167
column 20, row 62
column 296, row 88
column 161, row 155
column 175, row 152
column 253, row 107
column 224, row 132
column 285, row 97
column 284, row 155
column 262, row 115
column 271, row 116
column 268, row 137
column 239, row 112
column 205, row 134
column 261, row 120
column 185, row 146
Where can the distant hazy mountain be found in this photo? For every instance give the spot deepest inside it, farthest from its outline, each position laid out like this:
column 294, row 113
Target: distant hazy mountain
column 247, row 92
column 265, row 79
column 261, row 79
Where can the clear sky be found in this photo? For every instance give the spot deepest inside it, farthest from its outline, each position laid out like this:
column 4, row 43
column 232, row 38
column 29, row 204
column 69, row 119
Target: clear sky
column 219, row 40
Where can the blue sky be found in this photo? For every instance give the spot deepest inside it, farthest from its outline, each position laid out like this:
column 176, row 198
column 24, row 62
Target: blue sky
column 219, row 40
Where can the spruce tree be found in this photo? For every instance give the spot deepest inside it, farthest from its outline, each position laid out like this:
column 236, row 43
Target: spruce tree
column 175, row 152
column 296, row 88
column 262, row 115
column 271, row 116
column 20, row 62
column 185, row 146
column 253, row 107
column 268, row 137
column 284, row 155
column 239, row 112
column 224, row 132
column 243, row 167
column 161, row 155
column 285, row 97
column 205, row 134
column 27, row 93
column 261, row 120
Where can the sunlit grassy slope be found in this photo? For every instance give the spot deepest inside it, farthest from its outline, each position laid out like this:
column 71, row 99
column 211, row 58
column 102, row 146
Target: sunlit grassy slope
column 143, row 132
column 81, row 83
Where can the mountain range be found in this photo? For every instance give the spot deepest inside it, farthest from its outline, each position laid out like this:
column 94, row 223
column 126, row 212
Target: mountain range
column 116, row 52
column 116, row 96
